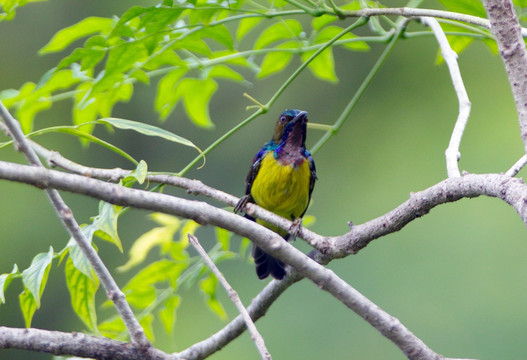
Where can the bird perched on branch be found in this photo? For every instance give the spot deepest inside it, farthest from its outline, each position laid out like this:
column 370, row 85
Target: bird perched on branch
column 281, row 180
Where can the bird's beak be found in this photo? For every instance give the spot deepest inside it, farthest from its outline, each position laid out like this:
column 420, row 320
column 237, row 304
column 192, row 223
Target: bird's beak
column 302, row 115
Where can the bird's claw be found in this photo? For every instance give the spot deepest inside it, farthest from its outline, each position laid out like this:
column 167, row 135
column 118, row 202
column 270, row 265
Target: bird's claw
column 294, row 229
column 240, row 206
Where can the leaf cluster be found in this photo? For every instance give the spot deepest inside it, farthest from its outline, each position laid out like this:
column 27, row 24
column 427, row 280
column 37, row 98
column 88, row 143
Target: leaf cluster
column 187, row 47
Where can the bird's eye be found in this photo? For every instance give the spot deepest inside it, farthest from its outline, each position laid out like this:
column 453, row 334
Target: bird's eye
column 283, row 119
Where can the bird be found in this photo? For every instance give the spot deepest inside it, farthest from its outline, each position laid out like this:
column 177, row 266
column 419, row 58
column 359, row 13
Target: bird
column 281, row 179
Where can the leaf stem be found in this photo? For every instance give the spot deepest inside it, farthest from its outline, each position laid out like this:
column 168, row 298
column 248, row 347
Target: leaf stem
column 262, row 110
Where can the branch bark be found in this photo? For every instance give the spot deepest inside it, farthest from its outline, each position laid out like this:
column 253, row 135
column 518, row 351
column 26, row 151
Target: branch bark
column 513, row 191
column 506, row 28
column 76, row 344
column 452, row 153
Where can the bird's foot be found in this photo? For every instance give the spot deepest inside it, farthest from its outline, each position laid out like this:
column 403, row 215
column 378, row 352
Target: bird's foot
column 240, row 206
column 295, row 229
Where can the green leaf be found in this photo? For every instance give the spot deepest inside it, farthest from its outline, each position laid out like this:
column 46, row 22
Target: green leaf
column 224, row 237
column 274, row 62
column 167, row 57
column 167, row 314
column 82, row 291
column 139, row 174
column 196, row 95
column 308, row 220
column 130, row 14
column 72, row 130
column 84, row 111
column 165, row 219
column 166, row 98
column 156, row 19
column 471, row 7
column 106, row 223
column 5, row 280
column 246, row 25
column 105, row 102
column 28, row 306
column 35, row 276
column 491, row 44
column 140, row 76
column 141, row 289
column 520, row 3
column 204, row 16
column 147, row 129
column 323, row 66
column 146, row 323
column 121, row 59
column 330, row 32
column 223, row 71
column 55, row 80
column 287, row 29
column 219, row 33
column 193, row 43
column 80, row 261
column 321, row 21
column 112, row 327
column 87, row 57
column 158, row 236
column 85, row 27
column 208, row 287
column 178, row 248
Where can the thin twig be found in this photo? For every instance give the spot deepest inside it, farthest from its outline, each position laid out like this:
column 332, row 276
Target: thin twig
column 233, row 295
column 518, row 165
column 362, row 88
column 257, row 309
column 65, row 215
column 452, row 153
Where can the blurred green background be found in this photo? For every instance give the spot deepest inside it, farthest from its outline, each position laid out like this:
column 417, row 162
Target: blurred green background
column 455, row 277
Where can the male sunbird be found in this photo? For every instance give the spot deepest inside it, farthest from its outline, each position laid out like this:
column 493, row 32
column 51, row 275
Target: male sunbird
column 281, row 180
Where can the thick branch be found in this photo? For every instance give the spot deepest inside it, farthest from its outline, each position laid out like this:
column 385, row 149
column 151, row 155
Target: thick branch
column 76, row 344
column 506, row 28
column 511, row 190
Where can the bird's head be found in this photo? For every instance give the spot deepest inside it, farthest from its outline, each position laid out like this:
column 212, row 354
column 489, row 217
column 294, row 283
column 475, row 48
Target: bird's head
column 291, row 128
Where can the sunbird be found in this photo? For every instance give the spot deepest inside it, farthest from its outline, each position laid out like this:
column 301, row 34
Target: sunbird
column 281, row 180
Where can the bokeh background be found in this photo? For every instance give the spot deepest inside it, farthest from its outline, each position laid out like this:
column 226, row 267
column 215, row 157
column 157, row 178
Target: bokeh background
column 455, row 277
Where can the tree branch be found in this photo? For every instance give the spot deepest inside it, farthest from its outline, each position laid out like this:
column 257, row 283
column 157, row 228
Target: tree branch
column 452, row 152
column 417, row 13
column 65, row 215
column 233, row 295
column 506, row 28
column 76, row 344
column 258, row 307
column 518, row 165
column 511, row 190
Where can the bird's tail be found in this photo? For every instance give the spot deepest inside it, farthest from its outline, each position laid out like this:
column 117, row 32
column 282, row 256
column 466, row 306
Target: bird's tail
column 267, row 265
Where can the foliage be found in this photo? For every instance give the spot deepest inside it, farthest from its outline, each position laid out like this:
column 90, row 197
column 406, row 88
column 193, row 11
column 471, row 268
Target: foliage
column 186, row 47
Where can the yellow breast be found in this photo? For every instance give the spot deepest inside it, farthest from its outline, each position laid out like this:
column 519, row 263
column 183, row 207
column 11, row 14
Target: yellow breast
column 282, row 189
